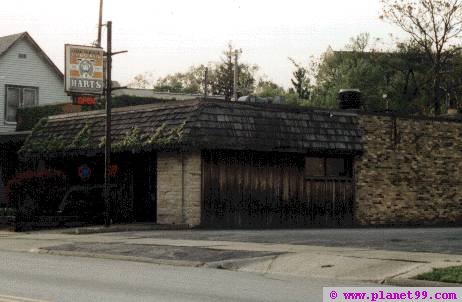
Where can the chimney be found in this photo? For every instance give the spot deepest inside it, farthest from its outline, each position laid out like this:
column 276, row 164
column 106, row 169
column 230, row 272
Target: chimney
column 349, row 99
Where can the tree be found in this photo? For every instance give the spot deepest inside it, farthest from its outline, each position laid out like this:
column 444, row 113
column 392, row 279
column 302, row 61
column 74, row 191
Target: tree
column 433, row 25
column 223, row 76
column 301, row 81
column 353, row 68
column 142, row 81
column 266, row 88
column 395, row 79
column 220, row 78
column 191, row 81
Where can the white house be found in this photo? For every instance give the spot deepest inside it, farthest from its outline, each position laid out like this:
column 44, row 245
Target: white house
column 27, row 78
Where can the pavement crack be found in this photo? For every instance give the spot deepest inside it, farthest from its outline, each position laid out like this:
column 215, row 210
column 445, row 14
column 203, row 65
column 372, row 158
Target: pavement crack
column 270, row 265
column 387, row 259
column 402, row 273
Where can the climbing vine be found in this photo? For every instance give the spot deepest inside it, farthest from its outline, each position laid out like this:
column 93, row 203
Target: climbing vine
column 133, row 140
column 82, row 139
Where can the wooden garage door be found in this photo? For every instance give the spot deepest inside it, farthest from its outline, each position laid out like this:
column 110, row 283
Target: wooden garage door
column 258, row 190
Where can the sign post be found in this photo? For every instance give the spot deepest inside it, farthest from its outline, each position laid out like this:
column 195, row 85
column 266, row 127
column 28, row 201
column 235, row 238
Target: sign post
column 107, row 146
column 85, row 80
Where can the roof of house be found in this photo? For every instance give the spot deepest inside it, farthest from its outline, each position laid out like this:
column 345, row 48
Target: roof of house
column 199, row 124
column 7, row 42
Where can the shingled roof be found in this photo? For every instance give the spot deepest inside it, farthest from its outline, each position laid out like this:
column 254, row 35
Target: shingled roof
column 7, row 41
column 199, row 124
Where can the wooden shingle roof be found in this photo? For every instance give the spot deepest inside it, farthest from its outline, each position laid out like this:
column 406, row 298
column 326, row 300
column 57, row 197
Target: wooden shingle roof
column 199, row 124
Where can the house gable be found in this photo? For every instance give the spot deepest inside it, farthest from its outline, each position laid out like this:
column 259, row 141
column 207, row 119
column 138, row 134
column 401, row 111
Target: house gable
column 23, row 63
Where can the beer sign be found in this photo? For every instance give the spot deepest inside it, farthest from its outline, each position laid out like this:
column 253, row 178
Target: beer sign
column 84, row 70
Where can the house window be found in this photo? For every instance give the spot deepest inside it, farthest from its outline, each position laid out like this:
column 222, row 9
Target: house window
column 22, row 56
column 16, row 97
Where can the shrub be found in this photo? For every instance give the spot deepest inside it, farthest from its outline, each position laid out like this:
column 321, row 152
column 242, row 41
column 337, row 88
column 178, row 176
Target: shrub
column 27, row 117
column 36, row 192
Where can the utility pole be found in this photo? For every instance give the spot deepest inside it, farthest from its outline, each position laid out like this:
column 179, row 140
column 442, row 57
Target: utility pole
column 100, row 23
column 206, row 82
column 236, row 74
column 107, row 146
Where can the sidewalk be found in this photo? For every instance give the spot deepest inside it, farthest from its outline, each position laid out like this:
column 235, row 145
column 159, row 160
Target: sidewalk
column 340, row 263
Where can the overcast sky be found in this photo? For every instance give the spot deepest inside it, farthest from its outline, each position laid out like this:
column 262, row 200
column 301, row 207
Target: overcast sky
column 169, row 36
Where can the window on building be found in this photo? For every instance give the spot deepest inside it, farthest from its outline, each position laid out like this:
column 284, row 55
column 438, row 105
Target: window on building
column 22, row 56
column 314, row 167
column 16, row 97
column 328, row 167
column 336, row 167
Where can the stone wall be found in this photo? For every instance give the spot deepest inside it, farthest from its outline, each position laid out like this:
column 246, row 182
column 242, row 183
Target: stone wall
column 179, row 188
column 410, row 172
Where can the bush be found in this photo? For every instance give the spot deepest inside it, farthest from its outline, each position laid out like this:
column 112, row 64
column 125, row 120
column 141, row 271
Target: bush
column 34, row 193
column 27, row 117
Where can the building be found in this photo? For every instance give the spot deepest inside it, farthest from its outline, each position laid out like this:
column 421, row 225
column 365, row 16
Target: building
column 225, row 164
column 27, row 78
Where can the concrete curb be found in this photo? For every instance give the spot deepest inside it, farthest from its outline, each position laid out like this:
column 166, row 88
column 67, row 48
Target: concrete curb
column 401, row 282
column 124, row 228
column 235, row 264
column 119, row 257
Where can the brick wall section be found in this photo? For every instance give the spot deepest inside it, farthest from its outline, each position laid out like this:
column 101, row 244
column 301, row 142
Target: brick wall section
column 179, row 177
column 410, row 173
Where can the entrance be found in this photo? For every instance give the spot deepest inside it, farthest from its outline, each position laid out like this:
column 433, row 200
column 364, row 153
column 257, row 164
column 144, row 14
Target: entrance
column 144, row 187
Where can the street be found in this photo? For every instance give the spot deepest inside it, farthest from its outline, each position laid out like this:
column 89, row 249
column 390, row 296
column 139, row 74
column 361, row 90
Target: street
column 58, row 278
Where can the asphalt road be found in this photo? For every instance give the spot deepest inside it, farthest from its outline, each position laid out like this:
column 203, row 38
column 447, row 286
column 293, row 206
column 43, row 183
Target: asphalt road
column 436, row 240
column 58, row 278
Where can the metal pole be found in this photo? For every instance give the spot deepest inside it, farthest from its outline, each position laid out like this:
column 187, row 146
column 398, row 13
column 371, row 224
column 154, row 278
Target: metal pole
column 100, row 23
column 107, row 148
column 235, row 74
column 206, row 82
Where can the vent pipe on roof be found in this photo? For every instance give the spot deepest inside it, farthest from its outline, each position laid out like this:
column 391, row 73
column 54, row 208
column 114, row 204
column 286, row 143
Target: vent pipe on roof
column 349, row 99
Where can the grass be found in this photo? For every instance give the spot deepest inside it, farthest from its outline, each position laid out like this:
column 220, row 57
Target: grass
column 451, row 274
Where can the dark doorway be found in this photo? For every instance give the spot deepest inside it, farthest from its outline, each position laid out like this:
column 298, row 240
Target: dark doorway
column 144, row 187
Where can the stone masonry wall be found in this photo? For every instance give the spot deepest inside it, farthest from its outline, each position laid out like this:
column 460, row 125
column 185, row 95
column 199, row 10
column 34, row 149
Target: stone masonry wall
column 179, row 188
column 410, row 172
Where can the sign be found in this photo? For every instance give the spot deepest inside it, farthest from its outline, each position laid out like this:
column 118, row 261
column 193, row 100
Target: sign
column 84, row 70
column 83, row 100
column 84, row 172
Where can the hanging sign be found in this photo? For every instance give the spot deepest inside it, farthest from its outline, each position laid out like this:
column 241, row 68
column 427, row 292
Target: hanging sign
column 84, row 70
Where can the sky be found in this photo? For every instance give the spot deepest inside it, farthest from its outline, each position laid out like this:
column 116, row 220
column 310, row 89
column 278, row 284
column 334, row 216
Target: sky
column 164, row 37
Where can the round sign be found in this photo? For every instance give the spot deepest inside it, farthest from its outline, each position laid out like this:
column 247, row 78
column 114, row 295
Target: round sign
column 84, row 172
